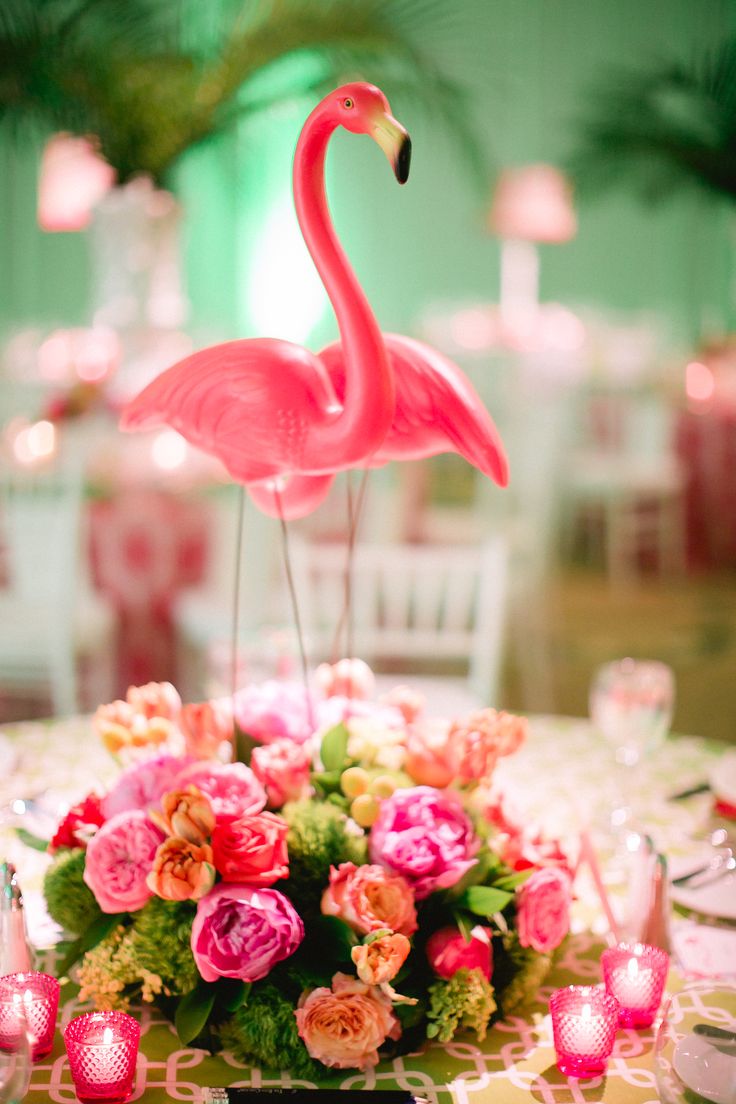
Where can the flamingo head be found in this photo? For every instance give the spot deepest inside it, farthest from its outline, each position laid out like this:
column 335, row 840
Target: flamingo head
column 363, row 109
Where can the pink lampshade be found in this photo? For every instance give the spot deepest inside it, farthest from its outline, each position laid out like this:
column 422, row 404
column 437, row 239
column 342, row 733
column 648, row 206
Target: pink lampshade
column 533, row 203
column 73, row 177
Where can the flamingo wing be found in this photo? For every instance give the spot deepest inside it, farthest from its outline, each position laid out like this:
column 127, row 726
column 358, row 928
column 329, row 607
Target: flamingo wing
column 252, row 403
column 437, row 408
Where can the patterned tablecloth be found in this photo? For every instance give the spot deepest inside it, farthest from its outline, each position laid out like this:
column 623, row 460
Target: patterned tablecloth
column 562, row 777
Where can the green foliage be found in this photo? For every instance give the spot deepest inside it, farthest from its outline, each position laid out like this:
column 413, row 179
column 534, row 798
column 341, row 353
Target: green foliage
column 485, row 900
column 517, row 973
column 69, row 900
column 466, row 1000
column 193, row 1011
column 317, row 839
column 334, row 747
column 161, row 942
column 663, row 128
column 265, row 1031
column 153, row 79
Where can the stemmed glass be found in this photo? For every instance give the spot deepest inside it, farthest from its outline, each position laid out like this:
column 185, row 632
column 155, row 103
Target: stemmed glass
column 695, row 1052
column 15, row 1062
column 631, row 705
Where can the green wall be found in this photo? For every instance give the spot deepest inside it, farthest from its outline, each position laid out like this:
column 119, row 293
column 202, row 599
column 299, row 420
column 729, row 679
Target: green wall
column 529, row 63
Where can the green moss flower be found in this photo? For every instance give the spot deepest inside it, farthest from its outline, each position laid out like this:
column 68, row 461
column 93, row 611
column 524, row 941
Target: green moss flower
column 69, row 900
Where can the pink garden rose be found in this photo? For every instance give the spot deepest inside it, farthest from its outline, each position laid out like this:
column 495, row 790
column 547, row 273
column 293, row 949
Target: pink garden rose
column 543, row 909
column 370, row 898
column 142, row 785
column 425, row 835
column 448, row 951
column 282, row 767
column 242, row 932
column 344, row 1026
column 252, row 849
column 232, row 788
column 119, row 858
column 270, row 710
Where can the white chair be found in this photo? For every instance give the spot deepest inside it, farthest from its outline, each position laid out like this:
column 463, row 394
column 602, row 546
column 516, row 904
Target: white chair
column 53, row 626
column 414, row 608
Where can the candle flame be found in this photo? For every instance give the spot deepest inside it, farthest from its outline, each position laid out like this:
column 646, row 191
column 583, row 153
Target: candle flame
column 107, row 1035
column 586, row 1012
column 632, row 968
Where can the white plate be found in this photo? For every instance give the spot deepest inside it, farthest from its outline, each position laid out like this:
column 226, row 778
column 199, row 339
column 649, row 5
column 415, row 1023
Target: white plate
column 8, row 756
column 723, row 777
column 705, row 1069
column 716, row 899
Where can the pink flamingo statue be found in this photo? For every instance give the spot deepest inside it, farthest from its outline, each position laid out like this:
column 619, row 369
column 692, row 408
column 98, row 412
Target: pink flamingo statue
column 284, row 420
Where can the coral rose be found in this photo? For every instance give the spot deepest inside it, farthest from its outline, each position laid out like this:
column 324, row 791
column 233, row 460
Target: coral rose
column 370, row 898
column 119, row 859
column 155, row 699
column 232, row 788
column 449, row 951
column 282, row 767
column 344, row 1026
column 426, row 835
column 478, row 741
column 186, row 813
column 380, row 960
column 242, row 932
column 182, row 871
column 348, row 678
column 252, row 849
column 428, row 759
column 79, row 824
column 543, row 909
column 207, row 726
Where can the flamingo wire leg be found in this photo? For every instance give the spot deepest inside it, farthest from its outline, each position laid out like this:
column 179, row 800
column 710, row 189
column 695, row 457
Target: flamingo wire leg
column 236, row 609
column 295, row 607
column 346, row 621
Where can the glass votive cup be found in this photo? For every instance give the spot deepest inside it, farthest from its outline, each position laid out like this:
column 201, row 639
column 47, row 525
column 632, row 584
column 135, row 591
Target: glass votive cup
column 102, row 1048
column 584, row 1024
column 635, row 974
column 38, row 995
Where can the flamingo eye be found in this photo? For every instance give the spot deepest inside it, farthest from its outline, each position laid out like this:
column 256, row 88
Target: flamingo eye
column 347, row 103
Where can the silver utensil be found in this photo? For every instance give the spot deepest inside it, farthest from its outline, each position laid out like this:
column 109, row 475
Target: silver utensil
column 716, row 868
column 718, row 1036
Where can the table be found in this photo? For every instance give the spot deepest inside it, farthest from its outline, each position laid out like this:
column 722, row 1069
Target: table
column 516, row 1060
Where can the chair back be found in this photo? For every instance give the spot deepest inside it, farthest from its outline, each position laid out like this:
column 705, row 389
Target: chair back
column 412, row 605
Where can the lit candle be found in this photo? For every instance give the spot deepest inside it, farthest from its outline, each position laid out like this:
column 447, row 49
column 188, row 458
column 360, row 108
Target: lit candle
column 37, row 996
column 584, row 1021
column 635, row 974
column 102, row 1048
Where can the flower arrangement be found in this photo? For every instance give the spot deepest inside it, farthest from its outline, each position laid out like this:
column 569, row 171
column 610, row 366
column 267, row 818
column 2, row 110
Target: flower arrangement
column 354, row 887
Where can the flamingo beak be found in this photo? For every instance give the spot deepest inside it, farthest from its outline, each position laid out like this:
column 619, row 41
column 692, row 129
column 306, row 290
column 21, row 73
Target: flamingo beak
column 395, row 143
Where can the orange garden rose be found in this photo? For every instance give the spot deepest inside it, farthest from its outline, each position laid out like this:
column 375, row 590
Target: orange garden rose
column 182, row 871
column 344, row 1026
column 186, row 813
column 370, row 898
column 380, row 960
column 206, row 726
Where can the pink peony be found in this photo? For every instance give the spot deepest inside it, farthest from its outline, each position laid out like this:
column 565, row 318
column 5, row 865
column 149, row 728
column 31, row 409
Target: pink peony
column 206, row 727
column 283, row 768
column 543, row 909
column 448, row 951
column 369, row 898
column 232, row 788
column 428, row 759
column 425, row 835
column 252, row 849
column 271, row 710
column 119, row 858
column 143, row 785
column 348, row 678
column 344, row 1026
column 242, row 932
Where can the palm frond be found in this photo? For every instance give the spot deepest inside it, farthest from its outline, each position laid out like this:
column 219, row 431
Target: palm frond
column 661, row 130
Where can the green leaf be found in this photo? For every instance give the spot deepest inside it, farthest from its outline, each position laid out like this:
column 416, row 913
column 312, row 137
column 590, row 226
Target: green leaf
column 94, row 934
column 193, row 1011
column 326, row 782
column 463, row 924
column 232, row 993
column 30, row 840
column 511, row 881
column 333, row 751
column 244, row 744
column 334, row 938
column 485, row 900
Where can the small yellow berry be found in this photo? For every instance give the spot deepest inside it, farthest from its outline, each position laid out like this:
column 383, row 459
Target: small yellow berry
column 383, row 785
column 354, row 781
column 364, row 810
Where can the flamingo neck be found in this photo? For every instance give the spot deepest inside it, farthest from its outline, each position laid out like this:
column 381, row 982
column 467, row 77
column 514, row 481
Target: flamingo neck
column 369, row 401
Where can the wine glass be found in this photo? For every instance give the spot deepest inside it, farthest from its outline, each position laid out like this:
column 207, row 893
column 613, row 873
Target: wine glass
column 695, row 1051
column 631, row 705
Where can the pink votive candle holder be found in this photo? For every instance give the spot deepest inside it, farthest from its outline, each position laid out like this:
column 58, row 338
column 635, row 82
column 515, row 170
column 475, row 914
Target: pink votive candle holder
column 37, row 995
column 102, row 1048
column 635, row 974
column 584, row 1024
